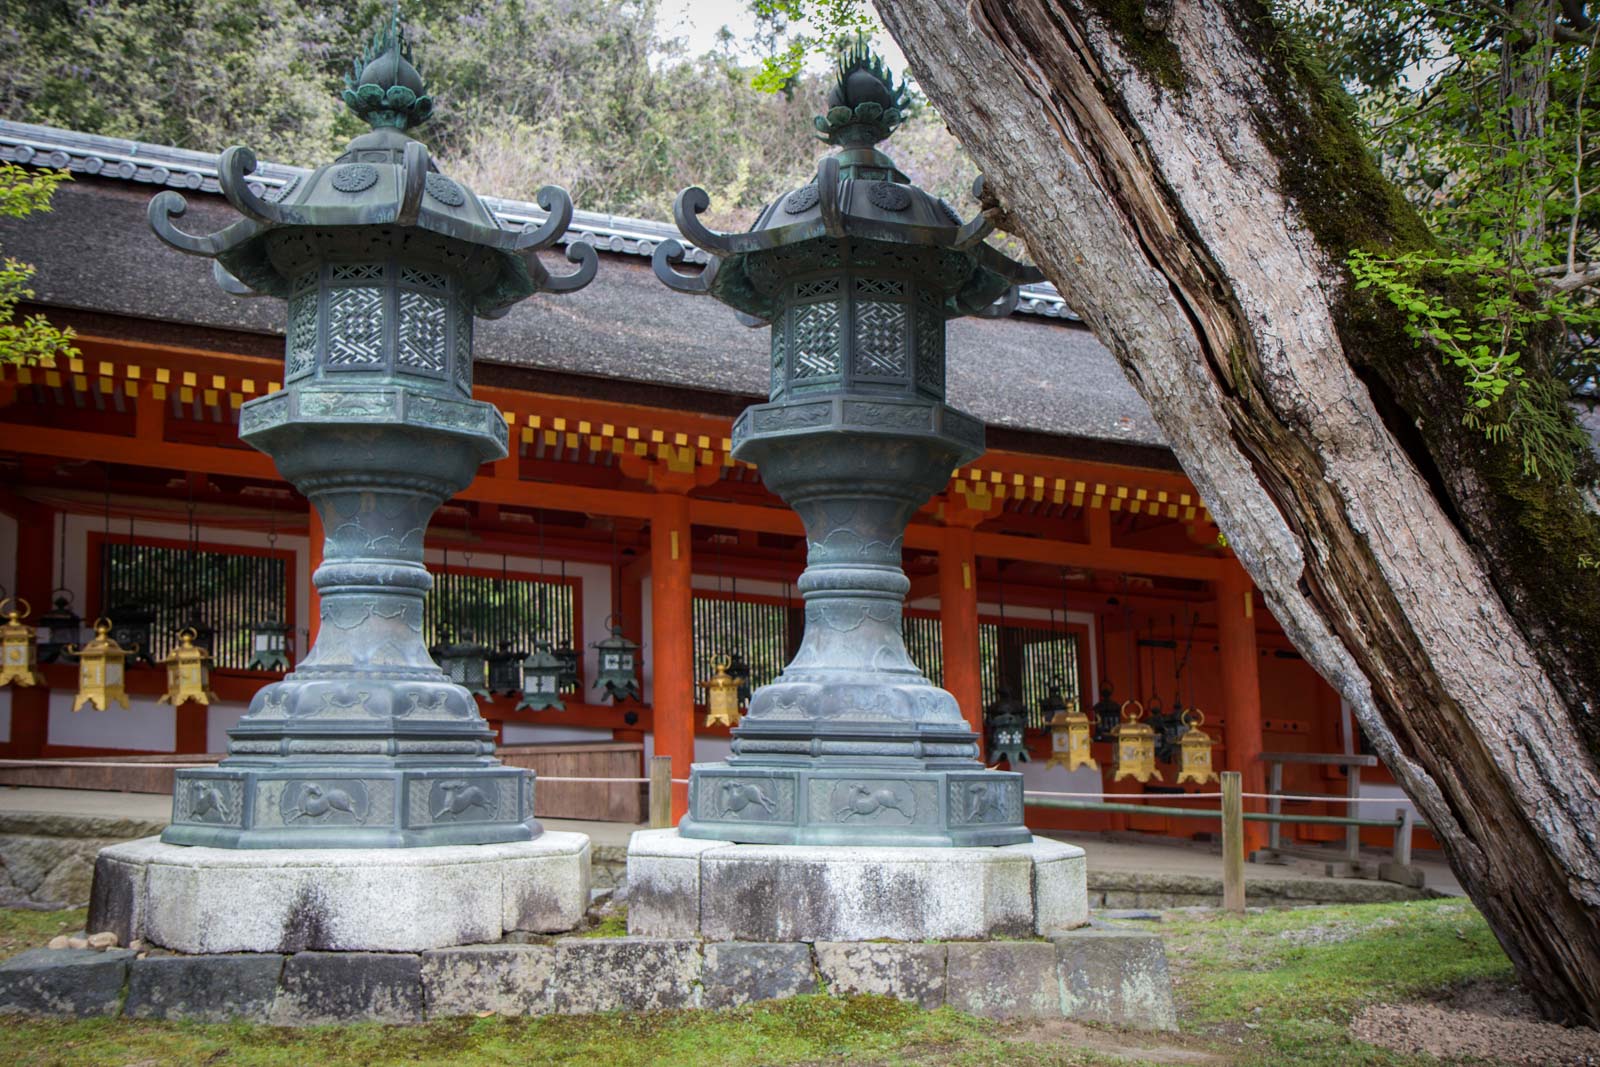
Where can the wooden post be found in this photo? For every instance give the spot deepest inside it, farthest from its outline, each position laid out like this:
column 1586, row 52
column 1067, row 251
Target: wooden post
column 1275, row 805
column 660, row 792
column 1241, row 682
column 958, row 624
column 1402, row 836
column 1232, row 842
column 1352, row 834
column 672, row 639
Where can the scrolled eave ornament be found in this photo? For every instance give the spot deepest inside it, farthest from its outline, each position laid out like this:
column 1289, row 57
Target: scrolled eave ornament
column 855, row 274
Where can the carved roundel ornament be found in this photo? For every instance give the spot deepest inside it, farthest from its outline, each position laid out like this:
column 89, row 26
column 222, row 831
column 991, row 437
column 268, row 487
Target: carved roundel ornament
column 355, row 177
column 889, row 196
column 445, row 191
column 802, row 199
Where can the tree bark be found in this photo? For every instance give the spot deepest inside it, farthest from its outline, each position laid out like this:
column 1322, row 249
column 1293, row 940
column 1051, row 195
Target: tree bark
column 1193, row 193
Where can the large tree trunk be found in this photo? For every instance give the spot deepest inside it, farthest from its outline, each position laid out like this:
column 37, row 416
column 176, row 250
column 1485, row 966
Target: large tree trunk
column 1193, row 192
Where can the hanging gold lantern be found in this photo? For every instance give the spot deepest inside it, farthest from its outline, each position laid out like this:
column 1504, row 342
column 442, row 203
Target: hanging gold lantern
column 19, row 646
column 1070, row 740
column 1135, row 746
column 188, row 672
column 100, row 676
column 722, row 694
column 1194, row 750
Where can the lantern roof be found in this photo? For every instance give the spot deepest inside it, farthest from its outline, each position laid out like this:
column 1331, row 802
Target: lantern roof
column 859, row 211
column 383, row 180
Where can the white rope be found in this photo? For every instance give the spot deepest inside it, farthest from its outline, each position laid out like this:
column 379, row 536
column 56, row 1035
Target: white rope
column 1119, row 797
column 98, row 763
column 615, row 781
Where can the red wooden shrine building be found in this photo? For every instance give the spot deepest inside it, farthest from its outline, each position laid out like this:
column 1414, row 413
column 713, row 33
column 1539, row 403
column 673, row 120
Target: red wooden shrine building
column 1074, row 549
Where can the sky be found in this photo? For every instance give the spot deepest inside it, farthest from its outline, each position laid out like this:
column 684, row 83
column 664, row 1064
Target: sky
column 697, row 21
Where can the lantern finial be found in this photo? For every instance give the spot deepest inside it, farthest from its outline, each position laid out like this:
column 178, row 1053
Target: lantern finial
column 384, row 86
column 865, row 105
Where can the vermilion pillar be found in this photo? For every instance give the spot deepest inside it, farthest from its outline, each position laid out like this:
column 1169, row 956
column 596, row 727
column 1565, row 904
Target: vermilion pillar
column 958, row 623
column 672, row 640
column 1241, row 687
column 30, row 705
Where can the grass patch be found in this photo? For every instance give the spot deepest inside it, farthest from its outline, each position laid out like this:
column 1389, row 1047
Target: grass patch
column 21, row 930
column 613, row 925
column 1275, row 988
column 1288, row 982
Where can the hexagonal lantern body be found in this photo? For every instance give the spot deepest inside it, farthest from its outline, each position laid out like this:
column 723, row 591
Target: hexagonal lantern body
column 543, row 674
column 59, row 628
column 855, row 273
column 384, row 263
column 19, row 646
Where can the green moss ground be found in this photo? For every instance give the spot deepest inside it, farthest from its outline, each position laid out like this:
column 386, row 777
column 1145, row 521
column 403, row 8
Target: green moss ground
column 21, row 930
column 1277, row 989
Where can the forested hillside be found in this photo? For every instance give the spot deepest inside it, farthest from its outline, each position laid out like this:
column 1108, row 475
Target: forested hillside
column 595, row 95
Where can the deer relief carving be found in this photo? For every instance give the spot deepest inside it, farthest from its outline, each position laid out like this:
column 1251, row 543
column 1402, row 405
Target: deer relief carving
column 866, row 802
column 317, row 801
column 734, row 798
column 457, row 798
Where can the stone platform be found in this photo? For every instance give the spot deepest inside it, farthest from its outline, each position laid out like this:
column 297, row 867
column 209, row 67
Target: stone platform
column 209, row 900
column 1113, row 976
column 683, row 887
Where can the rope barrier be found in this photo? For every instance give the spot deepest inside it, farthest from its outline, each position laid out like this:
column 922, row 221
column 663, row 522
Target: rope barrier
column 1122, row 797
column 153, row 765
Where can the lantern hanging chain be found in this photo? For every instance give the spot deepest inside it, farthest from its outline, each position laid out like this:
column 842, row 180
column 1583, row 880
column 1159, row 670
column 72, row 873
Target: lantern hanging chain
column 61, row 547
column 1183, row 664
column 1133, row 641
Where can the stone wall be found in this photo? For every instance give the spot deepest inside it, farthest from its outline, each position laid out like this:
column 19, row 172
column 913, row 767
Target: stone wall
column 47, row 860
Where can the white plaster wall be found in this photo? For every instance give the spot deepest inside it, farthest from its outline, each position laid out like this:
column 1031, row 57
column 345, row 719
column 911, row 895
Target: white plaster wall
column 1036, row 777
column 144, row 724
column 527, row 733
column 221, row 718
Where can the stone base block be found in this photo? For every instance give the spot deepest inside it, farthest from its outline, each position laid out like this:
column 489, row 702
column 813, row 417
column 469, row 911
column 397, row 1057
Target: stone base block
column 210, row 989
column 73, row 982
column 206, row 900
column 681, row 887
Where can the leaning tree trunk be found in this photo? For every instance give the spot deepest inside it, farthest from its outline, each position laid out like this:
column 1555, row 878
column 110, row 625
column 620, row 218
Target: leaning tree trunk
column 1193, row 192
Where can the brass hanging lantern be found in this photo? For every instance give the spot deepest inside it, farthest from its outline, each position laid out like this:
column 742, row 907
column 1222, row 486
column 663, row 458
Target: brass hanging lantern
column 1135, row 747
column 100, row 675
column 1194, row 750
column 1007, row 718
column 18, row 645
column 466, row 663
column 619, row 660
column 188, row 672
column 722, row 694
column 1070, row 741
column 58, row 627
column 541, row 680
column 269, row 644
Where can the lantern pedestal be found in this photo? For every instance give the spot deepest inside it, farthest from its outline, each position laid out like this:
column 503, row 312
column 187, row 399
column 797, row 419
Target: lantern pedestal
column 205, row 900
column 681, row 887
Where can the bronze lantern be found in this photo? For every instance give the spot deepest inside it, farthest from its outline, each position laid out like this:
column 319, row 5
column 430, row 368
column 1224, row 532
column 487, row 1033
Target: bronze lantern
column 542, row 674
column 619, row 661
column 466, row 663
column 269, row 644
column 1007, row 717
column 59, row 627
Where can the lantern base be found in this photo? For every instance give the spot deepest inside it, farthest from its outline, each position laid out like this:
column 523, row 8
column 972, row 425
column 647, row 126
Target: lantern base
column 681, row 887
column 344, row 805
column 855, row 804
column 208, row 900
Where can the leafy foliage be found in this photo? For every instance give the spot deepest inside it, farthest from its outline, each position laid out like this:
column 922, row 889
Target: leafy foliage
column 23, row 192
column 1485, row 117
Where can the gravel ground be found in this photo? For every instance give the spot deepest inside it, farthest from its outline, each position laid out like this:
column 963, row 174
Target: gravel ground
column 1484, row 1021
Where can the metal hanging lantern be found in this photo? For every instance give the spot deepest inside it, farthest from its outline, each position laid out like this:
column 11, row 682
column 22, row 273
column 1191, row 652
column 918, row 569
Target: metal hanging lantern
column 188, row 672
column 1194, row 750
column 568, row 656
column 739, row 671
column 1135, row 747
column 619, row 659
column 19, row 649
column 466, row 663
column 542, row 674
column 135, row 620
column 1069, row 733
column 1008, row 717
column 101, row 678
column 1107, row 714
column 58, row 627
column 505, row 670
column 269, row 645
column 722, row 694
